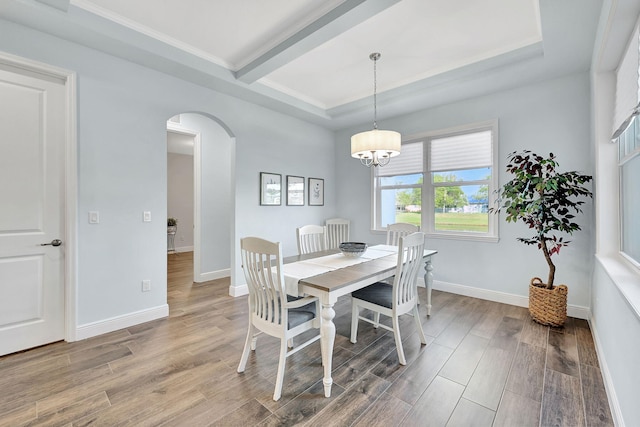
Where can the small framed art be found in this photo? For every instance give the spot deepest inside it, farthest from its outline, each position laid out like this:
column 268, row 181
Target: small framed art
column 270, row 189
column 295, row 190
column 316, row 192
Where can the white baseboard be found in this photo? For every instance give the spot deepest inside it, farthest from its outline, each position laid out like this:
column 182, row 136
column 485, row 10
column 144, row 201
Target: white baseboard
column 184, row 249
column 115, row 323
column 212, row 275
column 576, row 311
column 503, row 297
column 238, row 291
column 616, row 412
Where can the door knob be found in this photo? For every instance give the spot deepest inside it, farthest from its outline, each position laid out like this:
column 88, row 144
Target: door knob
column 54, row 242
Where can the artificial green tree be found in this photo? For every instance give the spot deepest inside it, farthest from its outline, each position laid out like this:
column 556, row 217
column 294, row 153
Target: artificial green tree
column 544, row 199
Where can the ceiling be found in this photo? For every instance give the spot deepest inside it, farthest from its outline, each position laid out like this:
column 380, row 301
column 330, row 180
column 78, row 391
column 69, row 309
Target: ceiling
column 310, row 58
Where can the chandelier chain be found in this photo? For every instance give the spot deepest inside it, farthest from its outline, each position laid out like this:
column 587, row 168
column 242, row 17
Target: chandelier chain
column 374, row 57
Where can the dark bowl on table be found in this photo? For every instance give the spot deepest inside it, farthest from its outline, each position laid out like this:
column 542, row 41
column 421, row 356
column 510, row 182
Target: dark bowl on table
column 353, row 249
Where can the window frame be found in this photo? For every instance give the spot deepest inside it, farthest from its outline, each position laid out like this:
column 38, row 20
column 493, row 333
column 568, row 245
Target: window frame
column 428, row 203
column 625, row 155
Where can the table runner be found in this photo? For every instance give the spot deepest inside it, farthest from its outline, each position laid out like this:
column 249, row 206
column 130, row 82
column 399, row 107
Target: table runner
column 296, row 271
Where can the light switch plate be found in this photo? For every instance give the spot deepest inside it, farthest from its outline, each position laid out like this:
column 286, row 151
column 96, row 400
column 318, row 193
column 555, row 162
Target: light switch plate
column 94, row 217
column 146, row 216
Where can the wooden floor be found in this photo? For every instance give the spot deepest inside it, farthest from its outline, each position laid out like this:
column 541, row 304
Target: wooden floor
column 485, row 364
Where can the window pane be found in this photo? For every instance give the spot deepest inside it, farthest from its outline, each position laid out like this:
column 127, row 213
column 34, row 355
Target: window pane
column 401, row 180
column 630, row 188
column 401, row 205
column 462, row 175
column 462, row 208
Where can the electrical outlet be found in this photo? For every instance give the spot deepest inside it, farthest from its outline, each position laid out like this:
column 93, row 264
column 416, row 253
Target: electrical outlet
column 146, row 285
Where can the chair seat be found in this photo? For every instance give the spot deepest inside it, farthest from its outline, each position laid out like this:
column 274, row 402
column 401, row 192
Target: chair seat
column 379, row 293
column 299, row 315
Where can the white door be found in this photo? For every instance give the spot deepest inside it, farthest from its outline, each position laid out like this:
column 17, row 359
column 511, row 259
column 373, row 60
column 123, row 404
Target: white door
column 32, row 139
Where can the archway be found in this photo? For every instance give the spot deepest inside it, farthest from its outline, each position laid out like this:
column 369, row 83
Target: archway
column 213, row 194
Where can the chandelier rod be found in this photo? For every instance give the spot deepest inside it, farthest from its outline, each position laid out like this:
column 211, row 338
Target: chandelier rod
column 374, row 57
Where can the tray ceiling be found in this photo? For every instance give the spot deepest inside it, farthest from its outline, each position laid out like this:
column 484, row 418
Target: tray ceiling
column 311, row 58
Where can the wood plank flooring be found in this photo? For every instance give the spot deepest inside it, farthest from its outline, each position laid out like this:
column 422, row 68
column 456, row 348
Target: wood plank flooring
column 485, row 364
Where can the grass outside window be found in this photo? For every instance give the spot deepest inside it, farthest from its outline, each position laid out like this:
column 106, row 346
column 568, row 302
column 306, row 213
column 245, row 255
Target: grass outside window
column 451, row 221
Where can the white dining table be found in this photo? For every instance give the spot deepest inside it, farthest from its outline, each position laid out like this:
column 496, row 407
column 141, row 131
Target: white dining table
column 329, row 275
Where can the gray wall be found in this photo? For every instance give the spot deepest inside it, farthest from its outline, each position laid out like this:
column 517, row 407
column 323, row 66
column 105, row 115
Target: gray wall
column 616, row 327
column 216, row 193
column 122, row 169
column 180, row 197
column 615, row 295
column 551, row 116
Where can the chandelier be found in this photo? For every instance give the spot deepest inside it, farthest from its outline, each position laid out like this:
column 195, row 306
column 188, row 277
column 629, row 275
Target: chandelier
column 375, row 147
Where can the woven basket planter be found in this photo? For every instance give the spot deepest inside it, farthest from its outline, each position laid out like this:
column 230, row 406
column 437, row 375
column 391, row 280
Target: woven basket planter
column 547, row 306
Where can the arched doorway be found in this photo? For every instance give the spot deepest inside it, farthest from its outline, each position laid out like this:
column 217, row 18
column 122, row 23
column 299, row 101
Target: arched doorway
column 212, row 223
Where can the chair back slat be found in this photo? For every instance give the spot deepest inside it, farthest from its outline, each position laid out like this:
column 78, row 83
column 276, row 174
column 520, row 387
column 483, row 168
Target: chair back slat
column 410, row 253
column 337, row 232
column 311, row 238
column 399, row 229
column 262, row 265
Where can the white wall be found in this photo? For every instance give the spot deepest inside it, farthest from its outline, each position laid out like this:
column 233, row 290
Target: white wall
column 551, row 116
column 122, row 171
column 180, row 198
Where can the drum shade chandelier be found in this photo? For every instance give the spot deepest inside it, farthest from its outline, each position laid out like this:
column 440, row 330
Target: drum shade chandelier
column 375, row 147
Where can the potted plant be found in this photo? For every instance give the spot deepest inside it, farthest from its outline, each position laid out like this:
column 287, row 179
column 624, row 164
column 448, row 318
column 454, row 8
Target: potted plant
column 172, row 225
column 546, row 200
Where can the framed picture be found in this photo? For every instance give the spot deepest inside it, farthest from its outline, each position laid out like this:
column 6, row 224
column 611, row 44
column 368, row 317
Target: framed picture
column 316, row 192
column 295, row 190
column 270, row 189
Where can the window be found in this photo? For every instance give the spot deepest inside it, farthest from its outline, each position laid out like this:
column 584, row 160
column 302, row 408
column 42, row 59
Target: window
column 450, row 174
column 399, row 187
column 629, row 165
column 626, row 122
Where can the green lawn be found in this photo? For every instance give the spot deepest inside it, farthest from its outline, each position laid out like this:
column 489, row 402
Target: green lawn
column 477, row 222
column 411, row 218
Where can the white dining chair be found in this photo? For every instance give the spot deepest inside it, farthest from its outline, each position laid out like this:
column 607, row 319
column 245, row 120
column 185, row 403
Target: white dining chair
column 394, row 232
column 396, row 300
column 399, row 229
column 337, row 232
column 270, row 310
column 311, row 238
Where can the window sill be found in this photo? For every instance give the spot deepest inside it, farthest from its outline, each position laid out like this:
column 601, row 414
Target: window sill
column 625, row 277
column 467, row 237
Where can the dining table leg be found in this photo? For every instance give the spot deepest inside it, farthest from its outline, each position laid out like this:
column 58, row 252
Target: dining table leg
column 327, row 338
column 428, row 281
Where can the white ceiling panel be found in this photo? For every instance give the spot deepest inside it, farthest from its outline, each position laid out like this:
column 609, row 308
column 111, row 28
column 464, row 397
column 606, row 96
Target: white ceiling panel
column 233, row 32
column 417, row 39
